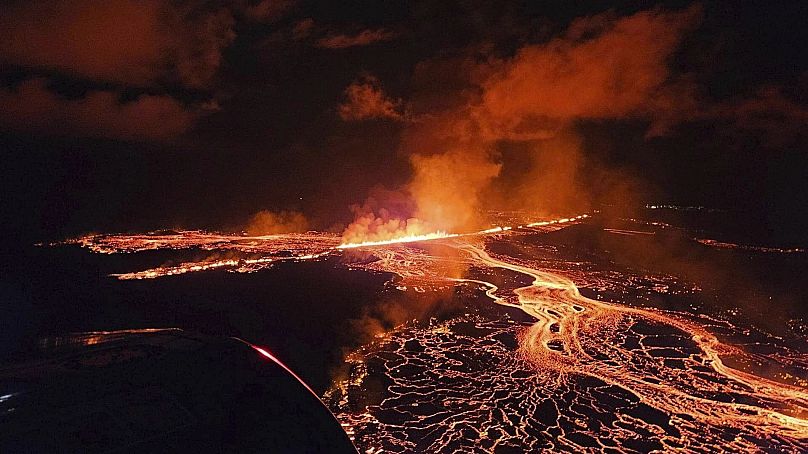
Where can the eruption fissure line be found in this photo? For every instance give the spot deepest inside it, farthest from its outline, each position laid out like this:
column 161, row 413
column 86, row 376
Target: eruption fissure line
column 297, row 247
column 404, row 239
column 440, row 235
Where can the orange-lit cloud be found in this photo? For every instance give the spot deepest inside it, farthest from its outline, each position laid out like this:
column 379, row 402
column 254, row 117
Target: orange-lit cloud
column 33, row 107
column 363, row 38
column 366, row 100
column 601, row 68
column 112, row 47
column 448, row 187
column 116, row 40
column 123, row 41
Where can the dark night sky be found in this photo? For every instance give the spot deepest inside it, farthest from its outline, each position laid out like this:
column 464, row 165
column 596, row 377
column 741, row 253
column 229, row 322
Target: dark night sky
column 200, row 113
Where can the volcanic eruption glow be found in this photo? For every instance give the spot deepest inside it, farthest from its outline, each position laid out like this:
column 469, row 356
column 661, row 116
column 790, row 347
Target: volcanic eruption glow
column 570, row 373
column 502, row 284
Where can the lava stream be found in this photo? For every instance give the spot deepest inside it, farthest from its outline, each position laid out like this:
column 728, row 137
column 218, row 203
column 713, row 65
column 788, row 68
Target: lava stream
column 554, row 343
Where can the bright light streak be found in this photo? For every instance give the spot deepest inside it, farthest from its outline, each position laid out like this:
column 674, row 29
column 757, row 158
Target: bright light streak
column 275, row 360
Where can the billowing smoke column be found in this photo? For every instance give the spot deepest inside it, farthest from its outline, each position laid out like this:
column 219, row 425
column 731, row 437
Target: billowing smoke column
column 384, row 215
column 601, row 68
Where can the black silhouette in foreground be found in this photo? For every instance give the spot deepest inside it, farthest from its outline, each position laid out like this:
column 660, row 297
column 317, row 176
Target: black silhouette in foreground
column 159, row 391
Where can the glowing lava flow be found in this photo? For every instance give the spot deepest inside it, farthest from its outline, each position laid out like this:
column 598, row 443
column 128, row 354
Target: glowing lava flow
column 244, row 254
column 567, row 321
column 584, row 375
column 570, row 373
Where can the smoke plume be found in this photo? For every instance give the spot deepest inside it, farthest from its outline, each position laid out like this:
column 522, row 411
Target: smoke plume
column 525, row 110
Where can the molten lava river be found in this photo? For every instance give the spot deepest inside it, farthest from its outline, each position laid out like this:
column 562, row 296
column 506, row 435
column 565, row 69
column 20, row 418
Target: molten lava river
column 549, row 353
